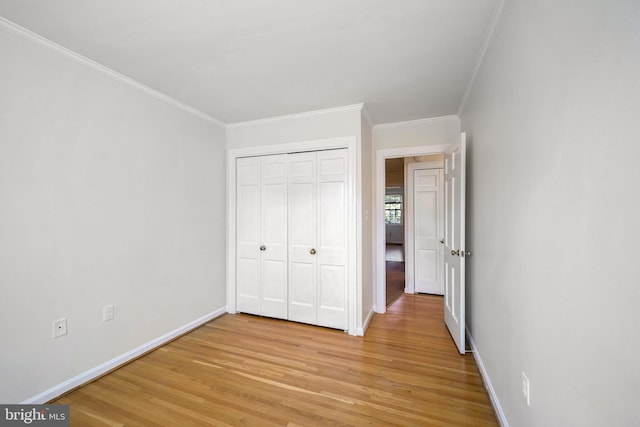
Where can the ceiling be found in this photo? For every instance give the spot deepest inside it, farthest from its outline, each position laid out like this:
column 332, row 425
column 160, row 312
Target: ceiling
column 250, row 59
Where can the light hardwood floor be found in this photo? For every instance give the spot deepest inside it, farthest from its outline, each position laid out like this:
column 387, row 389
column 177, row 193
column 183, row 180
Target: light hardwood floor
column 247, row 370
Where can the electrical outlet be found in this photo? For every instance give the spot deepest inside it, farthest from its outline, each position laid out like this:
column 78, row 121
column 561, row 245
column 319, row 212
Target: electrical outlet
column 107, row 313
column 525, row 388
column 59, row 328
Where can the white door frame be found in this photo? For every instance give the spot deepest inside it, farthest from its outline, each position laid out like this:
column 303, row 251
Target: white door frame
column 380, row 297
column 409, row 256
column 293, row 147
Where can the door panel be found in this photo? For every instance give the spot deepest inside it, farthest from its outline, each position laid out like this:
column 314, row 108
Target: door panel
column 248, row 287
column 332, row 296
column 426, row 268
column 249, row 199
column 427, row 216
column 332, row 239
column 261, row 222
column 332, row 276
column 454, row 175
column 426, row 204
column 274, row 236
column 302, row 237
column 273, row 292
column 248, row 235
column 331, row 215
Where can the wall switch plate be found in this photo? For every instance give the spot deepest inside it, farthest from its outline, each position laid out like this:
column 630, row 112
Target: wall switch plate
column 107, row 313
column 59, row 328
column 525, row 388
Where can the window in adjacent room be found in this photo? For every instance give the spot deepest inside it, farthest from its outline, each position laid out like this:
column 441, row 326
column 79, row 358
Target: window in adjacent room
column 393, row 209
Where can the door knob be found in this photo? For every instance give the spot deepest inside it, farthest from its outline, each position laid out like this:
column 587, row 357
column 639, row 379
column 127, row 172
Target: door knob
column 456, row 252
column 263, row 248
column 312, row 251
column 467, row 253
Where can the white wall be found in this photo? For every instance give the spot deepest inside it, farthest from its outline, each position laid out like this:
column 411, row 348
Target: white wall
column 109, row 195
column 322, row 124
column 553, row 283
column 431, row 131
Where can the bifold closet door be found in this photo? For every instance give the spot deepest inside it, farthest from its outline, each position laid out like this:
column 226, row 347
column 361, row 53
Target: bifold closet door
column 318, row 238
column 261, row 224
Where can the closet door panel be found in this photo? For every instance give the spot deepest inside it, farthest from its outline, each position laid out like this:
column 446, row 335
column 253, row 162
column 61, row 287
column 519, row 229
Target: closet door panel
column 302, row 295
column 332, row 277
column 332, row 231
column 248, row 235
column 274, row 236
column 332, row 239
column 302, row 237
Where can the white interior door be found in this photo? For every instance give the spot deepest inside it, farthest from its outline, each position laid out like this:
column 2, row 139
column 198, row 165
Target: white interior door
column 261, row 258
column 318, row 238
column 454, row 256
column 302, row 237
column 332, row 237
column 248, row 235
column 427, row 217
column 273, row 244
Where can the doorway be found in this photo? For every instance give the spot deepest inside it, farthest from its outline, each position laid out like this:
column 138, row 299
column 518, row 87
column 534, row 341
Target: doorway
column 454, row 233
column 382, row 156
column 413, row 216
column 394, row 223
column 425, row 224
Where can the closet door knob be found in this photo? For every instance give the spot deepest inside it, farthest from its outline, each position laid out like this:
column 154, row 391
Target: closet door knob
column 312, row 251
column 263, row 248
column 456, row 252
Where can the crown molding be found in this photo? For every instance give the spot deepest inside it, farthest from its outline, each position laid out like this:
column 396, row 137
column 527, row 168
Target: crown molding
column 13, row 27
column 495, row 21
column 266, row 120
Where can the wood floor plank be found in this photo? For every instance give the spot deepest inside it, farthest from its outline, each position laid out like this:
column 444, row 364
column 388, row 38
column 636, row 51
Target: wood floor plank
column 247, row 370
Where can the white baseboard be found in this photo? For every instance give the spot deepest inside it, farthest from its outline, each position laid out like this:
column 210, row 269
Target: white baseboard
column 502, row 419
column 360, row 331
column 100, row 370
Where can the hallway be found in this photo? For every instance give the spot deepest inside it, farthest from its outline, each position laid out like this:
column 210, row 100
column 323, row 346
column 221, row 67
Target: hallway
column 395, row 272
